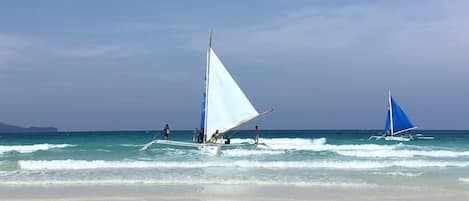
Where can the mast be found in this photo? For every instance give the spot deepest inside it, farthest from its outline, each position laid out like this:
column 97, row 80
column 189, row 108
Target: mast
column 390, row 115
column 207, row 79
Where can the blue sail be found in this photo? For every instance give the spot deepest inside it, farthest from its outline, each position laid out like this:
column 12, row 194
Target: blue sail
column 387, row 128
column 400, row 121
column 202, row 116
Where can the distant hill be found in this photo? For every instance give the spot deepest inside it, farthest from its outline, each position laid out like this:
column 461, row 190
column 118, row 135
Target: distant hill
column 6, row 128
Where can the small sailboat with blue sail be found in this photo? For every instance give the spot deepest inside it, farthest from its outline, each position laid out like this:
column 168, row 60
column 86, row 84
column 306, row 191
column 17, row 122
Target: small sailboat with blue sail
column 224, row 107
column 397, row 123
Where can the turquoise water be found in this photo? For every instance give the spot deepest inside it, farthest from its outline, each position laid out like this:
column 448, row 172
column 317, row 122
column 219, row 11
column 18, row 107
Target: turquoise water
column 293, row 157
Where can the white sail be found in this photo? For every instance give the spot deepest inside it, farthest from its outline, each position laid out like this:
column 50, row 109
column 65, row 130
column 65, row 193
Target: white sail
column 226, row 105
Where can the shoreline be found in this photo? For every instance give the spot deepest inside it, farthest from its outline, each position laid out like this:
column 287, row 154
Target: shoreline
column 226, row 192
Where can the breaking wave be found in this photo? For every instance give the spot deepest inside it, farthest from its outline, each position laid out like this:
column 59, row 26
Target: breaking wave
column 318, row 144
column 325, row 164
column 404, row 174
column 246, row 152
column 464, row 180
column 31, row 148
column 191, row 182
column 352, row 150
column 404, row 153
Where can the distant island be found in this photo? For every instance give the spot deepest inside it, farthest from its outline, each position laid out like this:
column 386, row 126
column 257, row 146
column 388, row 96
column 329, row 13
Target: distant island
column 6, row 128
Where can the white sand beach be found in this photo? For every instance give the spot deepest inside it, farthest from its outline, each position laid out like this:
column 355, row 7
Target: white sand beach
column 227, row 193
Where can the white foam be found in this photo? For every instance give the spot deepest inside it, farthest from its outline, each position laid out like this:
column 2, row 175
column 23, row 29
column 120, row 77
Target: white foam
column 424, row 164
column 131, row 145
column 404, row 174
column 319, row 141
column 284, row 141
column 354, row 150
column 7, row 173
column 324, row 164
column 31, row 148
column 190, row 182
column 247, row 152
column 319, row 144
column 464, row 180
column 403, row 153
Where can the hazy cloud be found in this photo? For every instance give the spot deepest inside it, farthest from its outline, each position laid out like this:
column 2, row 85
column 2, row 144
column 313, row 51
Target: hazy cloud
column 95, row 51
column 377, row 30
column 320, row 64
column 13, row 50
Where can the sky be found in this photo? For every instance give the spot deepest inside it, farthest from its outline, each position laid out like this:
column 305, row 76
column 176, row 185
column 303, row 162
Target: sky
column 135, row 65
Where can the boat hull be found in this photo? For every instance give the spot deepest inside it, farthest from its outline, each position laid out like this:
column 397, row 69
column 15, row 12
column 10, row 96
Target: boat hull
column 392, row 138
column 398, row 138
column 213, row 148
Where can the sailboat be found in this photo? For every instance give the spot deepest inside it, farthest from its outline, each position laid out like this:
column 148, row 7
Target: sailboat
column 224, row 106
column 397, row 123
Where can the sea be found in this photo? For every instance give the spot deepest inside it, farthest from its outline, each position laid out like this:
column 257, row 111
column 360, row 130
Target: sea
column 303, row 158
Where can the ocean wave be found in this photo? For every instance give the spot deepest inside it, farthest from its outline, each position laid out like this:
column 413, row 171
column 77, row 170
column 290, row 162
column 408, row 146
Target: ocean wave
column 404, row 153
column 325, row 164
column 354, row 150
column 464, row 179
column 404, row 174
column 103, row 150
column 247, row 152
column 8, row 173
column 31, row 148
column 191, row 182
column 291, row 141
column 318, row 144
column 131, row 145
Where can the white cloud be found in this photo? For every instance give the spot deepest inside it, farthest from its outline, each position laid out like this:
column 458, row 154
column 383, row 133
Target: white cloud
column 421, row 34
column 18, row 52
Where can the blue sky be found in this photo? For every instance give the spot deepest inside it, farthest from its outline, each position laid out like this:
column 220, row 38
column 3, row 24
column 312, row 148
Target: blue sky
column 112, row 65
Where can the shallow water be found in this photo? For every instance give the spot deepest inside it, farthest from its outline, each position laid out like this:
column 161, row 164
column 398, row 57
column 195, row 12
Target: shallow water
column 329, row 158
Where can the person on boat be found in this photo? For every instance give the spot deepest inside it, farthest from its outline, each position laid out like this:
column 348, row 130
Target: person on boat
column 213, row 139
column 166, row 131
column 195, row 135
column 256, row 137
column 386, row 134
column 227, row 140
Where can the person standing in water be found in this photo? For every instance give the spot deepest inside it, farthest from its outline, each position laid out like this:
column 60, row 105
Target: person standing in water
column 256, row 137
column 166, row 131
column 195, row 136
column 200, row 136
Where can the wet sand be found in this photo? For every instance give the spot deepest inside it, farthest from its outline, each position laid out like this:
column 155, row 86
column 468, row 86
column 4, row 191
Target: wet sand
column 228, row 193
